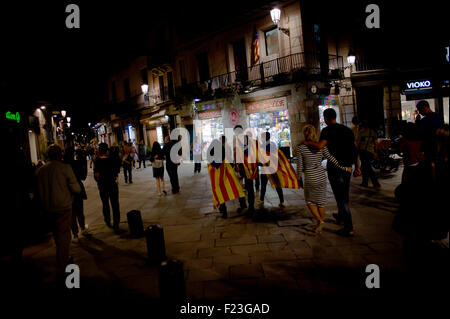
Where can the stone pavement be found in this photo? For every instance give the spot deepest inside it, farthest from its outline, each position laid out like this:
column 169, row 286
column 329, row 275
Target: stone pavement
column 232, row 258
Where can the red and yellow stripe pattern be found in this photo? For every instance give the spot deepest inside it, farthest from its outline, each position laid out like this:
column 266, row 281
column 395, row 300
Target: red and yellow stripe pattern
column 286, row 176
column 224, row 184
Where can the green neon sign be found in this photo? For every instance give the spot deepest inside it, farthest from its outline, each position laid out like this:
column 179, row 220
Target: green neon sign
column 14, row 117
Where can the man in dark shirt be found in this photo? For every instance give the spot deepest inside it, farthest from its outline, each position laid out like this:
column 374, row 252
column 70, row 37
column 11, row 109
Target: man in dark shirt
column 106, row 172
column 171, row 166
column 340, row 141
column 428, row 125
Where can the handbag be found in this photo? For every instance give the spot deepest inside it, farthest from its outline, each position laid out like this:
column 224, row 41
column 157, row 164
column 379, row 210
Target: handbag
column 158, row 163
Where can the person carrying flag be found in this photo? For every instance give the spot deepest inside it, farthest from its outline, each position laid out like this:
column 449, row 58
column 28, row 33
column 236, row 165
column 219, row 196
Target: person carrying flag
column 245, row 151
column 225, row 185
column 284, row 176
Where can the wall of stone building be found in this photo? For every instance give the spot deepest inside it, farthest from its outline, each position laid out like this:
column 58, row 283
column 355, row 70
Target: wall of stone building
column 294, row 42
column 347, row 102
column 220, row 50
column 392, row 107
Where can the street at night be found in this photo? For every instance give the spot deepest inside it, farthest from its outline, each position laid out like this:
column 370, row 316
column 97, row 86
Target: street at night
column 238, row 159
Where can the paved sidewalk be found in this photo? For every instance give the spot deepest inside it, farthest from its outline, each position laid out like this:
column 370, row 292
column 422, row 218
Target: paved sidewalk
column 235, row 257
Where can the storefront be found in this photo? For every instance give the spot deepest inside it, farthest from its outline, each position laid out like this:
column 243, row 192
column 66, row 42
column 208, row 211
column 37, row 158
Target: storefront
column 156, row 126
column 422, row 89
column 326, row 102
column 270, row 116
column 209, row 127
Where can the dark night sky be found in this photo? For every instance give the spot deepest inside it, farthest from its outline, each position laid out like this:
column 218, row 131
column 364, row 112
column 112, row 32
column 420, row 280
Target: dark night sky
column 43, row 59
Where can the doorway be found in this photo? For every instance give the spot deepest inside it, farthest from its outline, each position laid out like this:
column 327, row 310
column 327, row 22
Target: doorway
column 240, row 60
column 370, row 107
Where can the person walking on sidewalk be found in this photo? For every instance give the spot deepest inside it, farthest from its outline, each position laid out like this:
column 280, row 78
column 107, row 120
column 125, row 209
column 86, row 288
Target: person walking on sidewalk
column 171, row 166
column 57, row 184
column 157, row 160
column 265, row 179
column 341, row 143
column 142, row 150
column 309, row 162
column 197, row 150
column 366, row 143
column 106, row 172
column 127, row 161
column 79, row 167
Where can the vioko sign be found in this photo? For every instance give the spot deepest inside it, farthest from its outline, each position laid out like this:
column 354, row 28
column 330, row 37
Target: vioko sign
column 418, row 86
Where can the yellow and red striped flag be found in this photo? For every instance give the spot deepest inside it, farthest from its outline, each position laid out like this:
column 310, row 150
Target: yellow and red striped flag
column 251, row 160
column 286, row 176
column 224, row 184
column 255, row 47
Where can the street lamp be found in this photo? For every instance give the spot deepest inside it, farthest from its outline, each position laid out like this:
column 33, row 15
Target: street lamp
column 68, row 119
column 144, row 88
column 63, row 113
column 275, row 14
column 42, row 107
column 351, row 57
column 68, row 124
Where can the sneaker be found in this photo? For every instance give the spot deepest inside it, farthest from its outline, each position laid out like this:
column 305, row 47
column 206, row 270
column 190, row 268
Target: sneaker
column 75, row 240
column 345, row 233
column 281, row 205
column 224, row 215
column 165, row 193
column 338, row 220
column 261, row 204
column 159, row 194
column 108, row 224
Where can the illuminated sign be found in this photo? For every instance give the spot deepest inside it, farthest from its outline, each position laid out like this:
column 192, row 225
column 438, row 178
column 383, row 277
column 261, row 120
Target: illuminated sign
column 14, row 117
column 267, row 105
column 418, row 84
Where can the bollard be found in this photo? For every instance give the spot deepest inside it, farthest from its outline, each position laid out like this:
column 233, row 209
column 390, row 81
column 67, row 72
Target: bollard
column 156, row 247
column 135, row 224
column 171, row 281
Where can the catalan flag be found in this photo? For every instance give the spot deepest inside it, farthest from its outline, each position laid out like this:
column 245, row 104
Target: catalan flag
column 251, row 160
column 285, row 177
column 224, row 184
column 255, row 47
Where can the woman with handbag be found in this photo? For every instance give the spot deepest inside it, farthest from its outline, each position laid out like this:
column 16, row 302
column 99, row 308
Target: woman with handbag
column 309, row 162
column 158, row 167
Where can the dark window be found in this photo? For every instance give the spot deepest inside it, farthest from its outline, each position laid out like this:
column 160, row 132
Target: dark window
column 182, row 73
column 126, row 88
column 162, row 91
column 113, row 92
column 170, row 85
column 144, row 76
column 271, row 37
column 203, row 66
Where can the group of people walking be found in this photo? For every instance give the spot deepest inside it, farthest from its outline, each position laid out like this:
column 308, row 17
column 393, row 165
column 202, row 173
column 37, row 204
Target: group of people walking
column 425, row 145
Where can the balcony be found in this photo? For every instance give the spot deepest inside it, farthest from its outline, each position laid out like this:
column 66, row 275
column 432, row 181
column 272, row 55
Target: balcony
column 296, row 67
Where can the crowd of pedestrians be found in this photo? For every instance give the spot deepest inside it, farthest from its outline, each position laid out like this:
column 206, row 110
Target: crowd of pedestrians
column 425, row 179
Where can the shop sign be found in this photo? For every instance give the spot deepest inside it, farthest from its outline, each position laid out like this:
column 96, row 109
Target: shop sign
column 413, row 87
column 267, row 105
column 329, row 100
column 211, row 106
column 234, row 116
column 209, row 114
column 12, row 116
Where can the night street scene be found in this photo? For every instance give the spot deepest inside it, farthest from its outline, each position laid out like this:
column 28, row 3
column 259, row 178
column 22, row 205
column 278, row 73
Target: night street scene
column 225, row 159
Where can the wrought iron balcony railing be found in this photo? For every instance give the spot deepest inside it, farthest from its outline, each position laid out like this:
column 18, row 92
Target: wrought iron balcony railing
column 271, row 72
